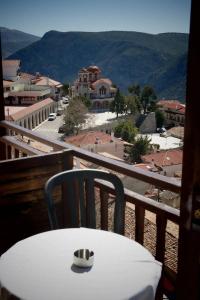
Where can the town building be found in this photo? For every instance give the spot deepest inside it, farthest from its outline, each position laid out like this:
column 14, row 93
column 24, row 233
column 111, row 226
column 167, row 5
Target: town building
column 167, row 163
column 11, row 69
column 90, row 84
column 174, row 112
column 55, row 86
column 31, row 116
column 26, row 89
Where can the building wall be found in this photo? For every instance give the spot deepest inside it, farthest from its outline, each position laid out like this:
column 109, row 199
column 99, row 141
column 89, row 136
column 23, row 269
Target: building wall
column 32, row 120
column 149, row 124
column 10, row 72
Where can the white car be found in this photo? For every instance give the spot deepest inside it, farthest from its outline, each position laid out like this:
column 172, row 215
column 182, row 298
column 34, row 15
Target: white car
column 65, row 100
column 52, row 117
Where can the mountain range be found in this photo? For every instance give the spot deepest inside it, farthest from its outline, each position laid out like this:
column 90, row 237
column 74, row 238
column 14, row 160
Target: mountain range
column 126, row 57
column 13, row 40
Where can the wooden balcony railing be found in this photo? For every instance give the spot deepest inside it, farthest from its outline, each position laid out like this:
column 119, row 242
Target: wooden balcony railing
column 141, row 204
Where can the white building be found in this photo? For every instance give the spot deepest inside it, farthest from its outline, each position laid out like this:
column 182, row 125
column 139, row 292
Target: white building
column 11, row 69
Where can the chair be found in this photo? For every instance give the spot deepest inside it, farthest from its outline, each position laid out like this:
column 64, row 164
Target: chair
column 80, row 184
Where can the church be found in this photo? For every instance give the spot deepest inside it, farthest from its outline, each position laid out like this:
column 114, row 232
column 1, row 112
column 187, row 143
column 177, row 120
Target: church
column 99, row 90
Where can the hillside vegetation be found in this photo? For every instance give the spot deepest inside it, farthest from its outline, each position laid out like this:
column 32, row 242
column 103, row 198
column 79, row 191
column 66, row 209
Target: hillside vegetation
column 125, row 57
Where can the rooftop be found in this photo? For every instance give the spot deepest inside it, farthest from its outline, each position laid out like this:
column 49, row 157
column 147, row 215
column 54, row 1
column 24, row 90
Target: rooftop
column 10, row 62
column 89, row 138
column 164, row 158
column 172, row 104
column 21, row 113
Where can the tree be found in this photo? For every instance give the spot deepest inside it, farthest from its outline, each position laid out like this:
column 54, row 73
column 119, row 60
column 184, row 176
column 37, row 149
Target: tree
column 75, row 116
column 147, row 95
column 65, row 88
column 134, row 89
column 160, row 119
column 141, row 147
column 117, row 105
column 131, row 104
column 126, row 130
column 86, row 101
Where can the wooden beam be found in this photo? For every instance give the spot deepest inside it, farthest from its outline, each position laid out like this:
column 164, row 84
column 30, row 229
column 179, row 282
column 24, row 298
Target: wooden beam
column 189, row 243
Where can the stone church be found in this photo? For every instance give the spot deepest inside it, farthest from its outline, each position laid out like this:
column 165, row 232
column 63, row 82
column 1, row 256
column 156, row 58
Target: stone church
column 98, row 89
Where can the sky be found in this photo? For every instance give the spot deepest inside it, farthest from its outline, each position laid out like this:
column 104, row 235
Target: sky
column 150, row 16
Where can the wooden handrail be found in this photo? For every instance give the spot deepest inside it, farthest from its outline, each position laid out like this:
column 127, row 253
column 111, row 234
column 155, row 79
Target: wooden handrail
column 11, row 141
column 153, row 178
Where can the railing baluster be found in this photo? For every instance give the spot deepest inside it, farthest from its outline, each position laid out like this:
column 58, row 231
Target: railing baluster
column 16, row 153
column 161, row 223
column 9, row 152
column 139, row 224
column 104, row 209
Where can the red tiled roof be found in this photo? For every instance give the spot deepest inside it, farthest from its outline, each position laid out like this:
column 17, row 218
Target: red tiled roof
column 89, row 138
column 11, row 110
column 164, row 158
column 48, row 81
column 7, row 83
column 102, row 81
column 172, row 104
column 28, row 110
column 94, row 69
column 27, row 76
column 26, row 93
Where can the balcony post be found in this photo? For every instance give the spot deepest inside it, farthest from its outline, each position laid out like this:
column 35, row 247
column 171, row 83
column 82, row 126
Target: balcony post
column 2, row 113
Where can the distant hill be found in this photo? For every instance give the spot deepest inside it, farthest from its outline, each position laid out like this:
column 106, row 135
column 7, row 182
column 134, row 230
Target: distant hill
column 125, row 57
column 13, row 40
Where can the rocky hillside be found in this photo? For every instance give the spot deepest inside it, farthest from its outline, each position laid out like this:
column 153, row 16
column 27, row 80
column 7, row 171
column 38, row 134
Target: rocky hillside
column 13, row 40
column 125, row 57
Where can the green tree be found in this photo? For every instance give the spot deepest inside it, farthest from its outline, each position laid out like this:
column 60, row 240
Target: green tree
column 117, row 105
column 65, row 88
column 86, row 101
column 126, row 130
column 131, row 104
column 152, row 106
column 160, row 118
column 141, row 147
column 75, row 116
column 134, row 90
column 147, row 95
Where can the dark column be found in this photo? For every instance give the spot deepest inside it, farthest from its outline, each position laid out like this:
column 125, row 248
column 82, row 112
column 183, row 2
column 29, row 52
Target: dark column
column 189, row 244
column 2, row 113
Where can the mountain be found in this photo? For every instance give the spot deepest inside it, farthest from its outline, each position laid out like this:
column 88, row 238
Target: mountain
column 13, row 40
column 125, row 57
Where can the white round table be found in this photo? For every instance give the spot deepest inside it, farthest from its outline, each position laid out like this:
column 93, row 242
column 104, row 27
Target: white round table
column 41, row 267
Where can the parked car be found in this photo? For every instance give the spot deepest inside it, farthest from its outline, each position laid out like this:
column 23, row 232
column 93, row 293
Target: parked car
column 161, row 130
column 61, row 129
column 52, row 117
column 65, row 100
column 59, row 111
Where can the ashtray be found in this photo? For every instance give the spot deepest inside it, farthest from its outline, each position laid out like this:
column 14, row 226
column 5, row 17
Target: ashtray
column 83, row 258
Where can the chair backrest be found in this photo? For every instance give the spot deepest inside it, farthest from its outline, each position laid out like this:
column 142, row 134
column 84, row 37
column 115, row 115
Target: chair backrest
column 80, row 184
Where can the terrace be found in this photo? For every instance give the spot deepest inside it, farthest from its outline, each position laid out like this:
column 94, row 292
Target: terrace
column 24, row 170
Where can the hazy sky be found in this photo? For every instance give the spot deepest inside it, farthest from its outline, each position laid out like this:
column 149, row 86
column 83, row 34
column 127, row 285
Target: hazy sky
column 150, row 16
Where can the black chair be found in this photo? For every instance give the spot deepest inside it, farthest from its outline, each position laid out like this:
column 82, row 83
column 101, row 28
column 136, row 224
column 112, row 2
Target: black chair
column 82, row 183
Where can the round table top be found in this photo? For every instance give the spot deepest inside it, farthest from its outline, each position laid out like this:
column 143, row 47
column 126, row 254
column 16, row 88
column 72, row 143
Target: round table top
column 41, row 267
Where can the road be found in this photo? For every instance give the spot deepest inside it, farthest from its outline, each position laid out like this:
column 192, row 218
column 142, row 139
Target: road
column 50, row 128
